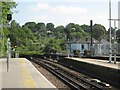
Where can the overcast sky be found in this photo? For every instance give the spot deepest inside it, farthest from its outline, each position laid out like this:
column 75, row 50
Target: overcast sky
column 62, row 12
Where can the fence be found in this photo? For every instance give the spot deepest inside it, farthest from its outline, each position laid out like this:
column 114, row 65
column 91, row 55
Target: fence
column 103, row 49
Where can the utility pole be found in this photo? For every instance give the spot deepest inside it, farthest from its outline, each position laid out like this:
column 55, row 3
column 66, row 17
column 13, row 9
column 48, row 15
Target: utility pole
column 110, row 50
column 114, row 41
column 115, row 38
column 91, row 44
column 110, row 46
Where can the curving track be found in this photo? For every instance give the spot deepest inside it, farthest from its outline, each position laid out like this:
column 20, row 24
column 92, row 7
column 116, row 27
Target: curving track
column 76, row 82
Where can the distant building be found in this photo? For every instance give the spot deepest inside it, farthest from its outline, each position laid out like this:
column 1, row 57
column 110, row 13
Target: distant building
column 99, row 47
column 81, row 45
column 119, row 14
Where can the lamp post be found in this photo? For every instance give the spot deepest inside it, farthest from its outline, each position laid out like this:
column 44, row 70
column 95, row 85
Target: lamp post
column 110, row 47
column 115, row 38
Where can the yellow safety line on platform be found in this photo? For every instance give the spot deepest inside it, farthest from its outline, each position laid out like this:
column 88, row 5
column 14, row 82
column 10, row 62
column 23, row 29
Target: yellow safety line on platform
column 26, row 77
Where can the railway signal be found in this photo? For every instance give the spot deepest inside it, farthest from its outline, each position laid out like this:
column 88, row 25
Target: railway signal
column 9, row 17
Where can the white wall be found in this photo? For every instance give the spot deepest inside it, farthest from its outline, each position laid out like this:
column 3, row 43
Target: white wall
column 79, row 47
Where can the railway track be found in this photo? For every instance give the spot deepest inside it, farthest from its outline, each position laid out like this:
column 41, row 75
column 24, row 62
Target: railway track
column 73, row 81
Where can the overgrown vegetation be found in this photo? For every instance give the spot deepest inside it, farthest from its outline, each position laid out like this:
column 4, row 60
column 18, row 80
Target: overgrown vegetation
column 45, row 38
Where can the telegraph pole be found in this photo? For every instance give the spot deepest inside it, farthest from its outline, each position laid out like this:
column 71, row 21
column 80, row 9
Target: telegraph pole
column 110, row 47
column 115, row 38
column 91, row 44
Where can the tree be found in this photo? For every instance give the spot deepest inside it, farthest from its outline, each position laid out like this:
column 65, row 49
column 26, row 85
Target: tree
column 99, row 32
column 15, row 34
column 40, row 27
column 52, row 46
column 31, row 26
column 50, row 26
column 75, row 32
column 27, row 33
column 69, row 29
column 86, row 28
column 78, row 28
column 112, row 31
column 118, row 35
column 5, row 8
column 59, row 32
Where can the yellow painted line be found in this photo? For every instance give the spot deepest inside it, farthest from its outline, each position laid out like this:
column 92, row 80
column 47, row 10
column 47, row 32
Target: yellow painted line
column 26, row 77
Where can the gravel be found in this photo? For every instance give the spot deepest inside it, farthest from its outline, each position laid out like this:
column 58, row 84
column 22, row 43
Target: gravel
column 53, row 79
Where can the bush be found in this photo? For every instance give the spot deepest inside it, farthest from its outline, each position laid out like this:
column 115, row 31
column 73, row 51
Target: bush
column 76, row 52
column 86, row 52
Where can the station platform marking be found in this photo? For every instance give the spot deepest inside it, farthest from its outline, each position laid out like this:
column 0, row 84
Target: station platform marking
column 22, row 74
column 1, row 74
column 26, row 77
column 43, row 77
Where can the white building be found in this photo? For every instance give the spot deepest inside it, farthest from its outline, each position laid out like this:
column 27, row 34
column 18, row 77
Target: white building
column 99, row 48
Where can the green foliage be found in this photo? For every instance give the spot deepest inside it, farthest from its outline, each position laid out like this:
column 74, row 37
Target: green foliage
column 52, row 46
column 5, row 8
column 76, row 52
column 118, row 35
column 74, row 32
column 50, row 27
column 39, row 37
column 31, row 26
column 40, row 29
column 86, row 28
column 87, row 53
column 59, row 32
column 99, row 32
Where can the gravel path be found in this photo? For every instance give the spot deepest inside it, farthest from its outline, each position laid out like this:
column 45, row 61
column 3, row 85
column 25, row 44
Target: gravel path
column 53, row 79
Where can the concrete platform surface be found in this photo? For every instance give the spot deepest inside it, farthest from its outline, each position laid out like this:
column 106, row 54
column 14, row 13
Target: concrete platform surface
column 103, row 63
column 21, row 74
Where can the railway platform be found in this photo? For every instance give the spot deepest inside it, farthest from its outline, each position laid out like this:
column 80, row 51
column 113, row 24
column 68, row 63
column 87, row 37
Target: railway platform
column 103, row 63
column 96, row 68
column 22, row 74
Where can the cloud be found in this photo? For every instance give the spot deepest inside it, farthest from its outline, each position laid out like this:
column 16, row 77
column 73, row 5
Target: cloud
column 42, row 6
column 64, row 13
column 38, row 18
column 68, row 10
column 45, row 7
column 38, row 7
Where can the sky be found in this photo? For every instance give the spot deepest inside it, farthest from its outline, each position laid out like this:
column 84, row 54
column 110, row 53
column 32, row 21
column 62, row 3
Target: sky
column 63, row 12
